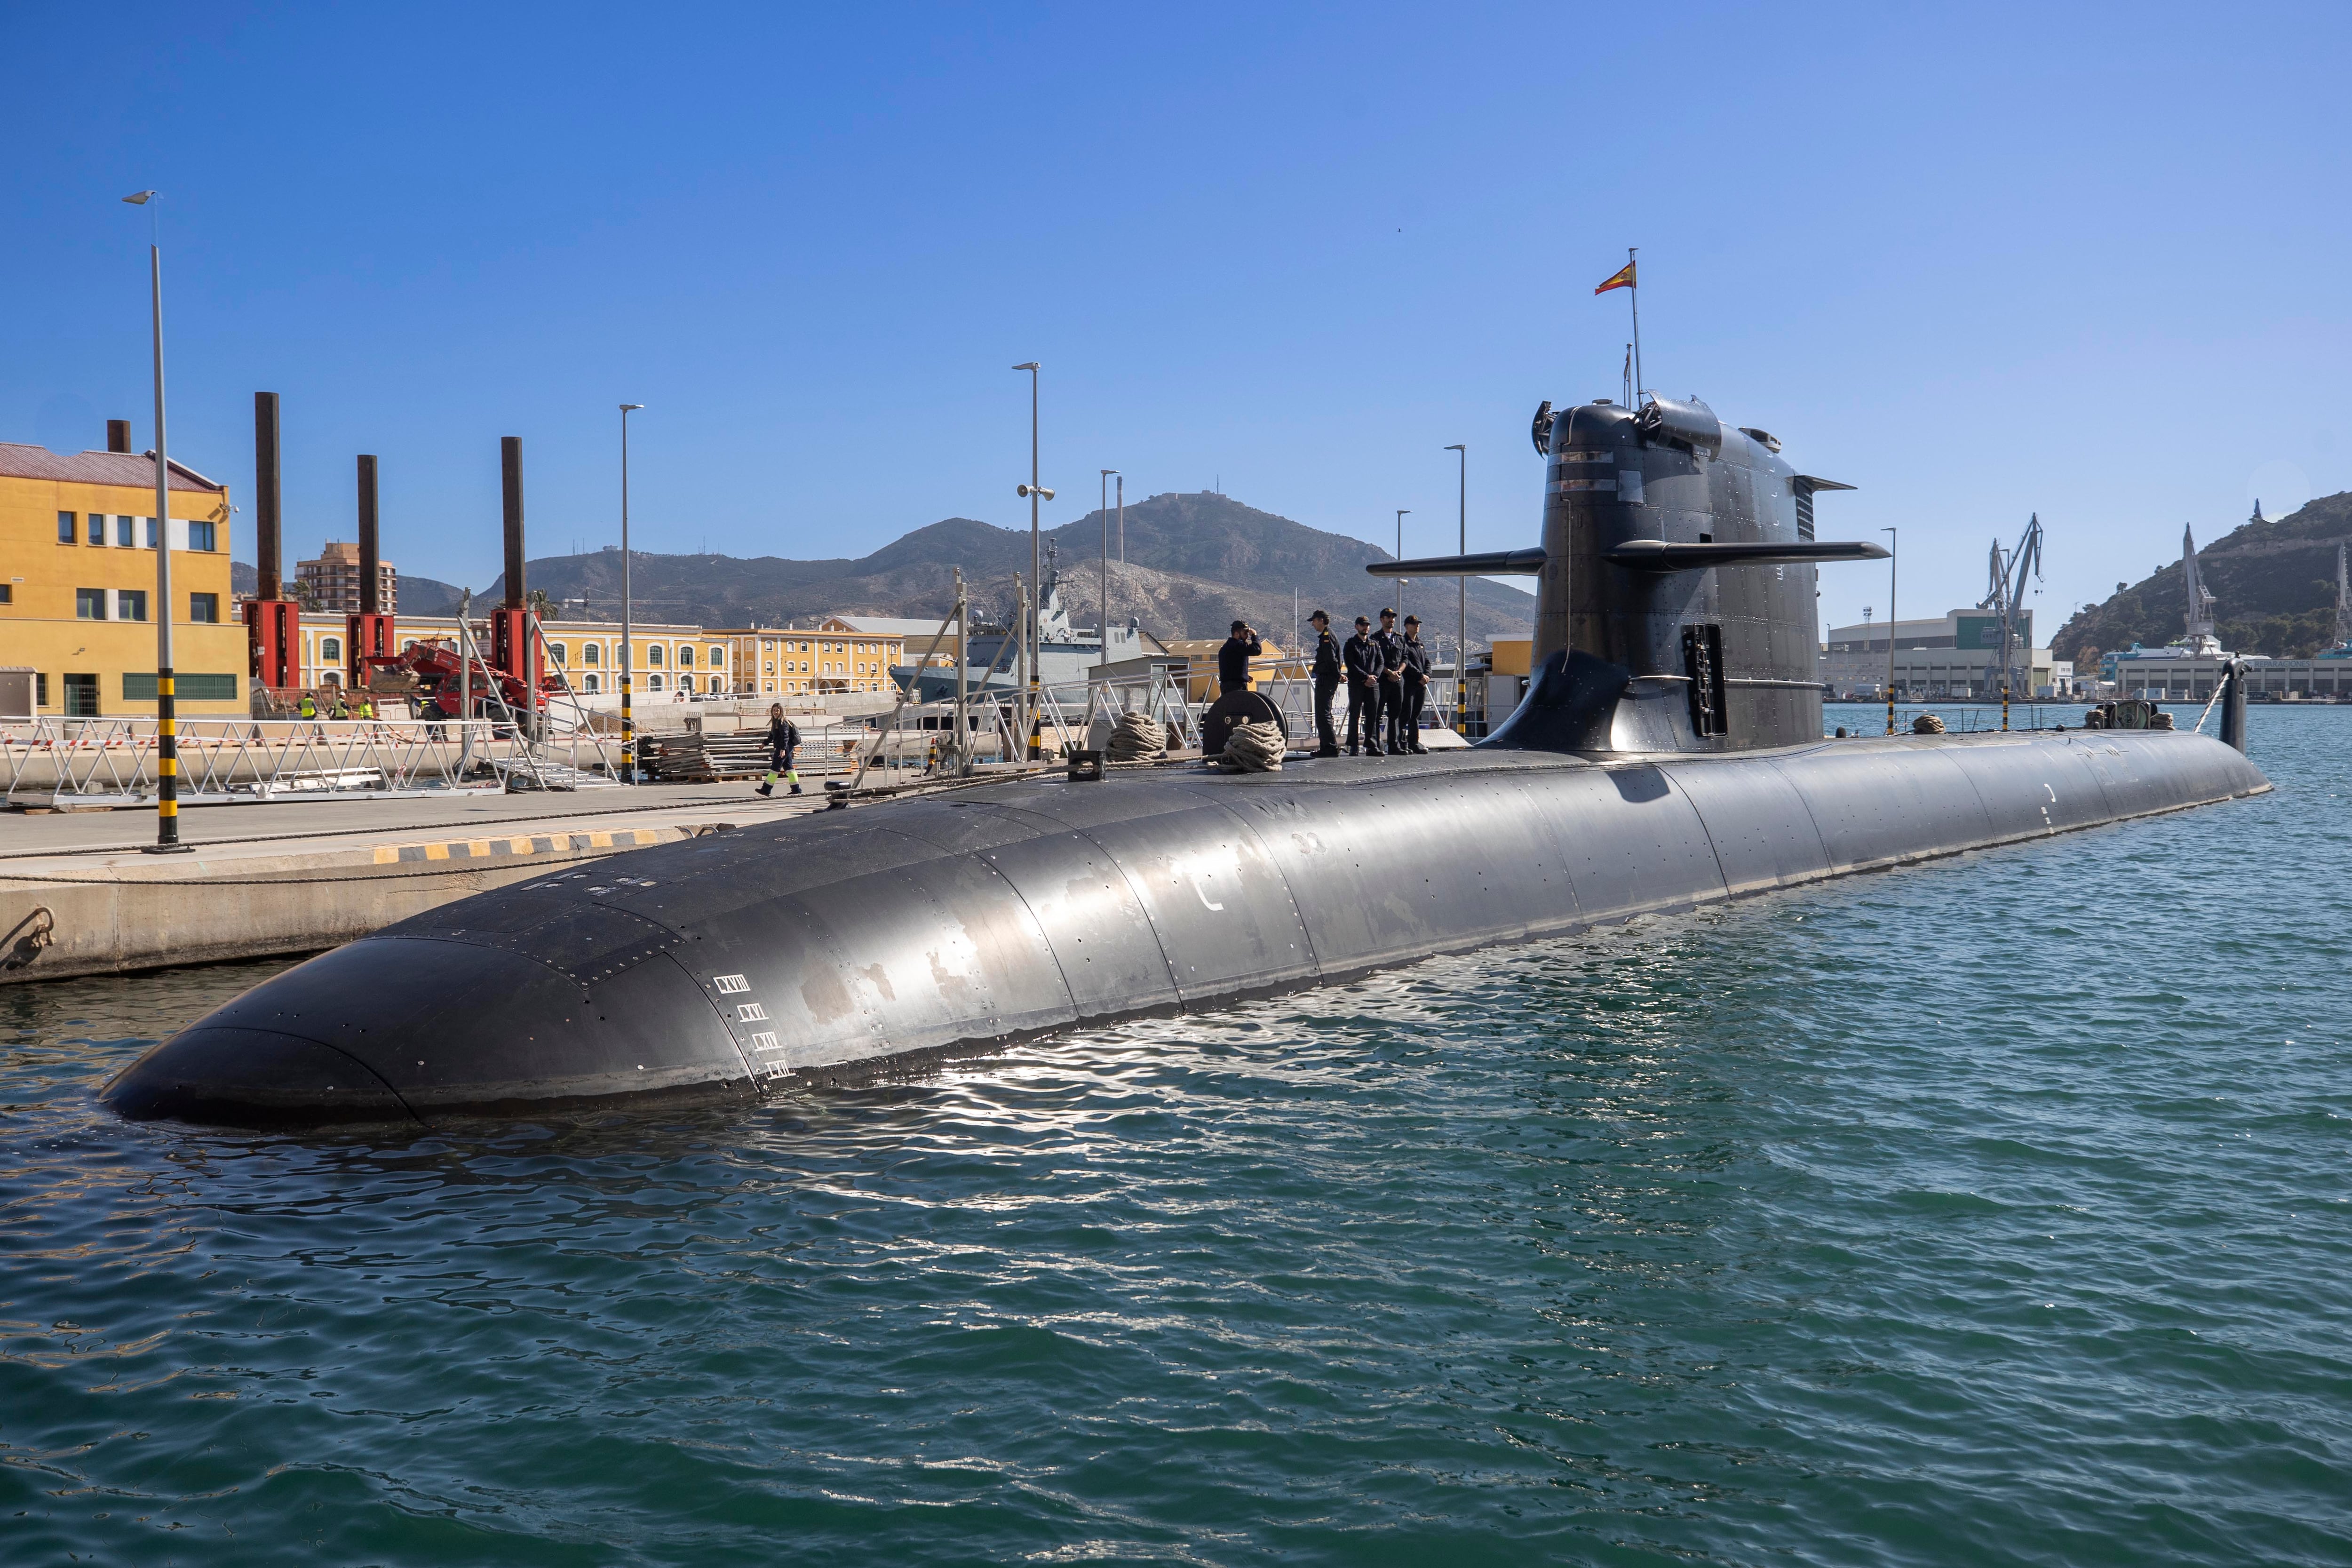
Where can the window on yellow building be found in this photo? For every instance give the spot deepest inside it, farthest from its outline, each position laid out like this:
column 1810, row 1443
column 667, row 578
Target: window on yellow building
column 685, row 657
column 203, row 609
column 97, row 528
column 65, row 528
column 330, row 650
column 653, row 658
column 555, row 651
column 203, row 536
column 124, row 539
column 130, row 604
column 589, row 654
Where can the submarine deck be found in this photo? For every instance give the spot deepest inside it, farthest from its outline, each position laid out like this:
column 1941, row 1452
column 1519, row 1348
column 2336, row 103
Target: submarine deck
column 849, row 943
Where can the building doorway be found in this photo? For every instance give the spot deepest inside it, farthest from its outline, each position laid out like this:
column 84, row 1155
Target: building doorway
column 81, row 696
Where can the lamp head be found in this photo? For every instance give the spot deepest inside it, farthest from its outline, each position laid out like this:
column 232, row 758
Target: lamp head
column 627, row 407
column 140, row 198
column 1458, row 447
column 1031, row 366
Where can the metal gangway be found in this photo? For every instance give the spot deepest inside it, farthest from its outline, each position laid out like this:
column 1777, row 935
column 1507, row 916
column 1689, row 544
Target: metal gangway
column 68, row 764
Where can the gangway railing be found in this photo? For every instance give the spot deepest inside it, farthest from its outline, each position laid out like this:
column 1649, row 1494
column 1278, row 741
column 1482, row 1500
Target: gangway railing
column 66, row 763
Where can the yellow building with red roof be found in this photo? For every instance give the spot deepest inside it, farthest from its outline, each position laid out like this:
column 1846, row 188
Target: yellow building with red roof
column 78, row 583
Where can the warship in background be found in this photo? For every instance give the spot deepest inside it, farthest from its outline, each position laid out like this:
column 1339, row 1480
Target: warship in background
column 1067, row 655
column 1668, row 753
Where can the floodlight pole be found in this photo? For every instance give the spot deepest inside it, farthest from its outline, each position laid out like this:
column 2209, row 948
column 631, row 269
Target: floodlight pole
column 167, row 724
column 1462, row 597
column 1891, row 540
column 1037, row 493
column 628, row 719
column 1103, row 515
column 1402, row 513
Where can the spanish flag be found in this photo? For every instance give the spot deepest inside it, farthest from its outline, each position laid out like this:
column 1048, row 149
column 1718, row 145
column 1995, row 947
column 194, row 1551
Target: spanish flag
column 1621, row 279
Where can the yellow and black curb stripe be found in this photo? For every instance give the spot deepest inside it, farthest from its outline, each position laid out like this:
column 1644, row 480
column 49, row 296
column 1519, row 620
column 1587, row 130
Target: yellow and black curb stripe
column 519, row 845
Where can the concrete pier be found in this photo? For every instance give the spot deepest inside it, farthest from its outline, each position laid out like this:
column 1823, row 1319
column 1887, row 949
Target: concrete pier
column 79, row 897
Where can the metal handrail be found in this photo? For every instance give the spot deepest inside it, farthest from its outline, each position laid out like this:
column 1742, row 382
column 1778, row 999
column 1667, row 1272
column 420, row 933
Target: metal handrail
column 93, row 762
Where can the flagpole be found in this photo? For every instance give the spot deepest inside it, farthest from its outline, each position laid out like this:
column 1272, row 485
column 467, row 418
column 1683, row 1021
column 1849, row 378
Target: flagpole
column 1633, row 296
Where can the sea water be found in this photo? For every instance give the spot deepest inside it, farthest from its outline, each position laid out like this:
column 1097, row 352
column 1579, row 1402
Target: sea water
column 1994, row 1210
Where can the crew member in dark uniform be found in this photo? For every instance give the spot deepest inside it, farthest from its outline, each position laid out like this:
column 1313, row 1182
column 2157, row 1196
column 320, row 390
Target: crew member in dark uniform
column 1363, row 662
column 1327, row 681
column 1233, row 659
column 1390, row 648
column 1417, row 665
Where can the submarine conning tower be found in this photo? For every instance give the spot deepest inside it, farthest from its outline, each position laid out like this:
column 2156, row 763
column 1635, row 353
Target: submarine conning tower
column 1674, row 600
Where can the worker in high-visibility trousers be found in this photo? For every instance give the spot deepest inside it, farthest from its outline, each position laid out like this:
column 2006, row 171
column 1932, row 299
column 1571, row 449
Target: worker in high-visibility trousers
column 783, row 740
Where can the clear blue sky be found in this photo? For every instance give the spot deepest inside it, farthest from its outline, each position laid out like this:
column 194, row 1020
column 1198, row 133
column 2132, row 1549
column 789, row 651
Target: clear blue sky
column 1978, row 261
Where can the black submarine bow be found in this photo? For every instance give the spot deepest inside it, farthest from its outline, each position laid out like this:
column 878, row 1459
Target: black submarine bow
column 1669, row 754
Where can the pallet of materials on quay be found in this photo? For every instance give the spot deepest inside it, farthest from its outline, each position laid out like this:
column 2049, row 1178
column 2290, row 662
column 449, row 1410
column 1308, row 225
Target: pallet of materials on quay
column 691, row 756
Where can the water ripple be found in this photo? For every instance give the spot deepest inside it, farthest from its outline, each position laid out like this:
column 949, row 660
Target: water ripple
column 1991, row 1210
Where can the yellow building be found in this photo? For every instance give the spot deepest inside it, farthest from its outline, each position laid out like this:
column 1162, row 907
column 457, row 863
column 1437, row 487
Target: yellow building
column 78, row 583
column 673, row 661
column 841, row 653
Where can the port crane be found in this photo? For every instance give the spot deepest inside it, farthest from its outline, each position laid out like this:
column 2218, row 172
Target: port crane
column 2005, row 592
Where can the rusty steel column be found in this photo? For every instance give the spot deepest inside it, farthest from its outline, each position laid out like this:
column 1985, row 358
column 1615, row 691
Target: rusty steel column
column 367, row 633
column 368, row 604
column 265, row 493
column 512, row 647
column 510, row 476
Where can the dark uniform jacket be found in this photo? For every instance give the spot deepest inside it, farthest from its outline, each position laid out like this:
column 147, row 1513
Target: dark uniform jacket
column 1391, row 652
column 783, row 736
column 1417, row 662
column 1232, row 663
column 1363, row 657
column 1327, row 658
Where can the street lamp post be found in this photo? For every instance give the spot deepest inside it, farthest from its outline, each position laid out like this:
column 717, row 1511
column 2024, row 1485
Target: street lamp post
column 1891, row 539
column 1105, row 515
column 1462, row 598
column 167, row 739
column 1035, row 493
column 1402, row 513
column 628, row 653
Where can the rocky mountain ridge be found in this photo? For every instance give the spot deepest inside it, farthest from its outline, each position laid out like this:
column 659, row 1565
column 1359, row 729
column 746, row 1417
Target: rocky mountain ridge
column 2272, row 582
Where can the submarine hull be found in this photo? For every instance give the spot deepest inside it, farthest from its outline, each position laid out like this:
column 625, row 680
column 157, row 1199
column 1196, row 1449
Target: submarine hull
column 849, row 943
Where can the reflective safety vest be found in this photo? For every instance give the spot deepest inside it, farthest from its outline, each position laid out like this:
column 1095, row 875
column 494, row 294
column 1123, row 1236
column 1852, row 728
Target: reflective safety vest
column 309, row 708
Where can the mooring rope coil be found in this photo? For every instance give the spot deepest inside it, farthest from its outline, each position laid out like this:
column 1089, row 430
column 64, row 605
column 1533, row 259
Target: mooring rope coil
column 1137, row 736
column 1255, row 746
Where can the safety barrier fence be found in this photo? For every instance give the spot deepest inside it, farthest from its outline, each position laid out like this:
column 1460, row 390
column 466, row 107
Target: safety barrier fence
column 95, row 763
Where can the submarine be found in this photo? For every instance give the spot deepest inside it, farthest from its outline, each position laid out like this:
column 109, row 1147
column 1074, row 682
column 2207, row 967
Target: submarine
column 1667, row 754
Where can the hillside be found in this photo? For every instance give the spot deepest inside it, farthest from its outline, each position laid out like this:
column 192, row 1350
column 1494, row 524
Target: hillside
column 2274, row 586
column 1195, row 563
